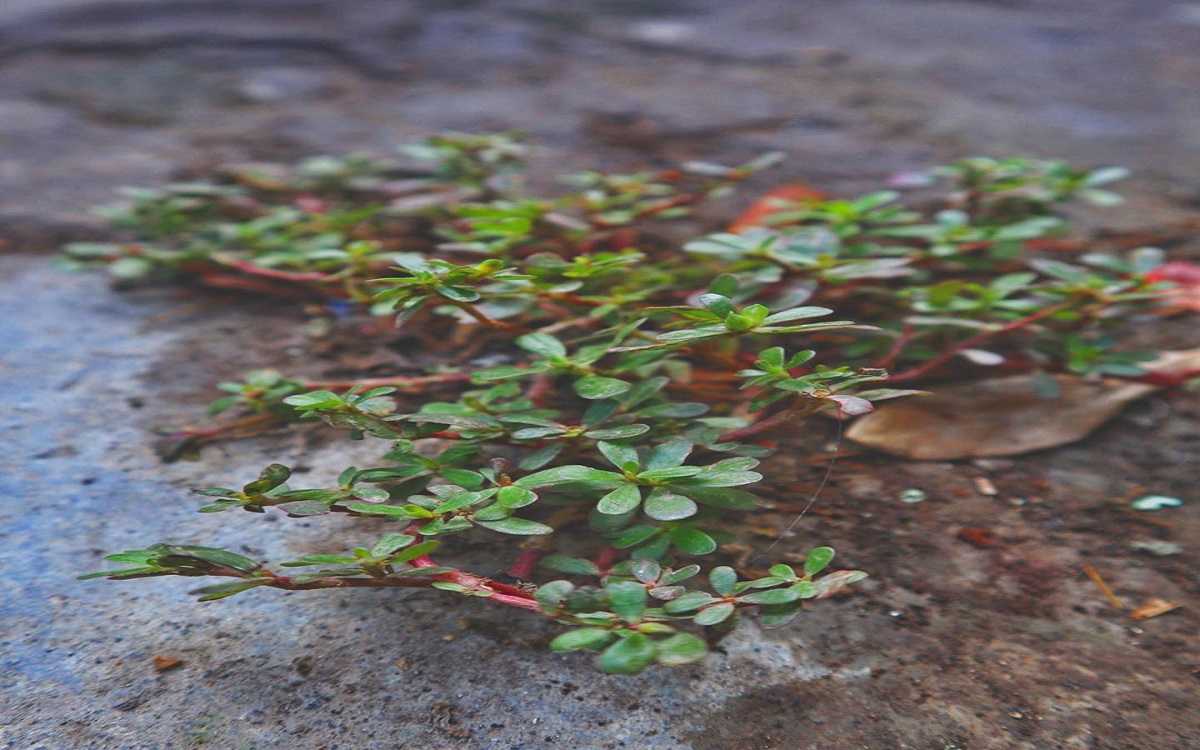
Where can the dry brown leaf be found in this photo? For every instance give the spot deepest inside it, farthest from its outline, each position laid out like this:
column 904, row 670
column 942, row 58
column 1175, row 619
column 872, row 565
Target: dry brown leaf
column 1183, row 362
column 1000, row 417
column 164, row 663
column 1153, row 608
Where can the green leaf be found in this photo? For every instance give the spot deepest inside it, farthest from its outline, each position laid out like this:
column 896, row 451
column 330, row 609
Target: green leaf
column 391, row 543
column 682, row 574
column 618, row 454
column 415, row 551
column 405, row 511
column 216, row 492
column 623, row 499
column 575, row 640
column 673, row 410
column 629, row 655
column 270, row 478
column 515, row 497
column 221, row 505
column 320, row 560
column 818, row 560
column 714, row 614
column 519, row 526
column 669, row 472
column 633, row 536
column 221, row 557
column 672, row 453
column 371, row 494
column 689, row 602
column 720, row 497
column 627, row 599
column 646, row 571
column 535, row 433
column 222, row 590
column 571, row 473
column 146, row 571
column 596, row 387
column 572, row 565
column 457, row 293
column 503, row 373
column 543, row 344
column 664, row 505
column 797, row 313
column 692, row 541
column 551, row 595
column 540, row 457
column 718, row 304
column 681, row 648
column 618, row 433
column 314, row 400
column 723, row 579
column 779, row 615
column 772, row 596
column 726, row 478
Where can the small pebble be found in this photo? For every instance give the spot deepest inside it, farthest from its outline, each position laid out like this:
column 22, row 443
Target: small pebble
column 1155, row 502
column 1158, row 547
column 912, row 496
column 984, row 486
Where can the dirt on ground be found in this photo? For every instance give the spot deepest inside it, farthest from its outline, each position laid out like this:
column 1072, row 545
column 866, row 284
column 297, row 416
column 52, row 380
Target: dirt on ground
column 980, row 627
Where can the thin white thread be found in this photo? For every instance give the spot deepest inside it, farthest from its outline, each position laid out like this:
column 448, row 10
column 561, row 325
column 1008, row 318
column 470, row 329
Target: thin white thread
column 837, row 449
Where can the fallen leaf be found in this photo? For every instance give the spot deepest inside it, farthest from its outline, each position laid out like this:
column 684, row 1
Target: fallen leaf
column 1153, row 608
column 998, row 417
column 163, row 663
column 1172, row 368
column 774, row 201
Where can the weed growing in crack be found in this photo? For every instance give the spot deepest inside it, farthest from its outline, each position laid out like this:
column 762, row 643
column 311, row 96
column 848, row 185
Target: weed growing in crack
column 630, row 379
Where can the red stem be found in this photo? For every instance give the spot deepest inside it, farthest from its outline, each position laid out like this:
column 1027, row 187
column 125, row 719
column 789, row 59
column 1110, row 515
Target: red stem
column 523, row 567
column 904, row 339
column 763, row 425
column 605, row 559
column 923, row 369
column 270, row 273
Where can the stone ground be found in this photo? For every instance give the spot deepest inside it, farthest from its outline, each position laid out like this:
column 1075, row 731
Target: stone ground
column 949, row 645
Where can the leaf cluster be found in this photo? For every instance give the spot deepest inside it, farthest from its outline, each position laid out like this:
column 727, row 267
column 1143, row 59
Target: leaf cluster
column 627, row 381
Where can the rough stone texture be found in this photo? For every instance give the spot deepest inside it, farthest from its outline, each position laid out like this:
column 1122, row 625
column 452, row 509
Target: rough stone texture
column 948, row 645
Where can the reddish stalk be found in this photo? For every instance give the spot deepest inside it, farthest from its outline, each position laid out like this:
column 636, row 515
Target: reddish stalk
column 500, row 593
column 606, row 558
column 763, row 425
column 904, row 339
column 923, row 369
column 526, row 562
column 539, row 389
column 270, row 273
column 482, row 319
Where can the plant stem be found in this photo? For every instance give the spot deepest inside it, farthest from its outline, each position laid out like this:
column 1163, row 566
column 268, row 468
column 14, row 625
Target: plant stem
column 482, row 319
column 923, row 369
column 523, row 566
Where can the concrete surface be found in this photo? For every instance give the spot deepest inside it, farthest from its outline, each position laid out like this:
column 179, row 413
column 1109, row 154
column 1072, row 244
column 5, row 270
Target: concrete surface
column 947, row 646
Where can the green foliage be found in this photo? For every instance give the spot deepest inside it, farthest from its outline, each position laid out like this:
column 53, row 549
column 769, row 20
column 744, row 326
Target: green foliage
column 594, row 404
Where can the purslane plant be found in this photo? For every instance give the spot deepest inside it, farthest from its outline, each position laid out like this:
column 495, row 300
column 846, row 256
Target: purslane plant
column 627, row 379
